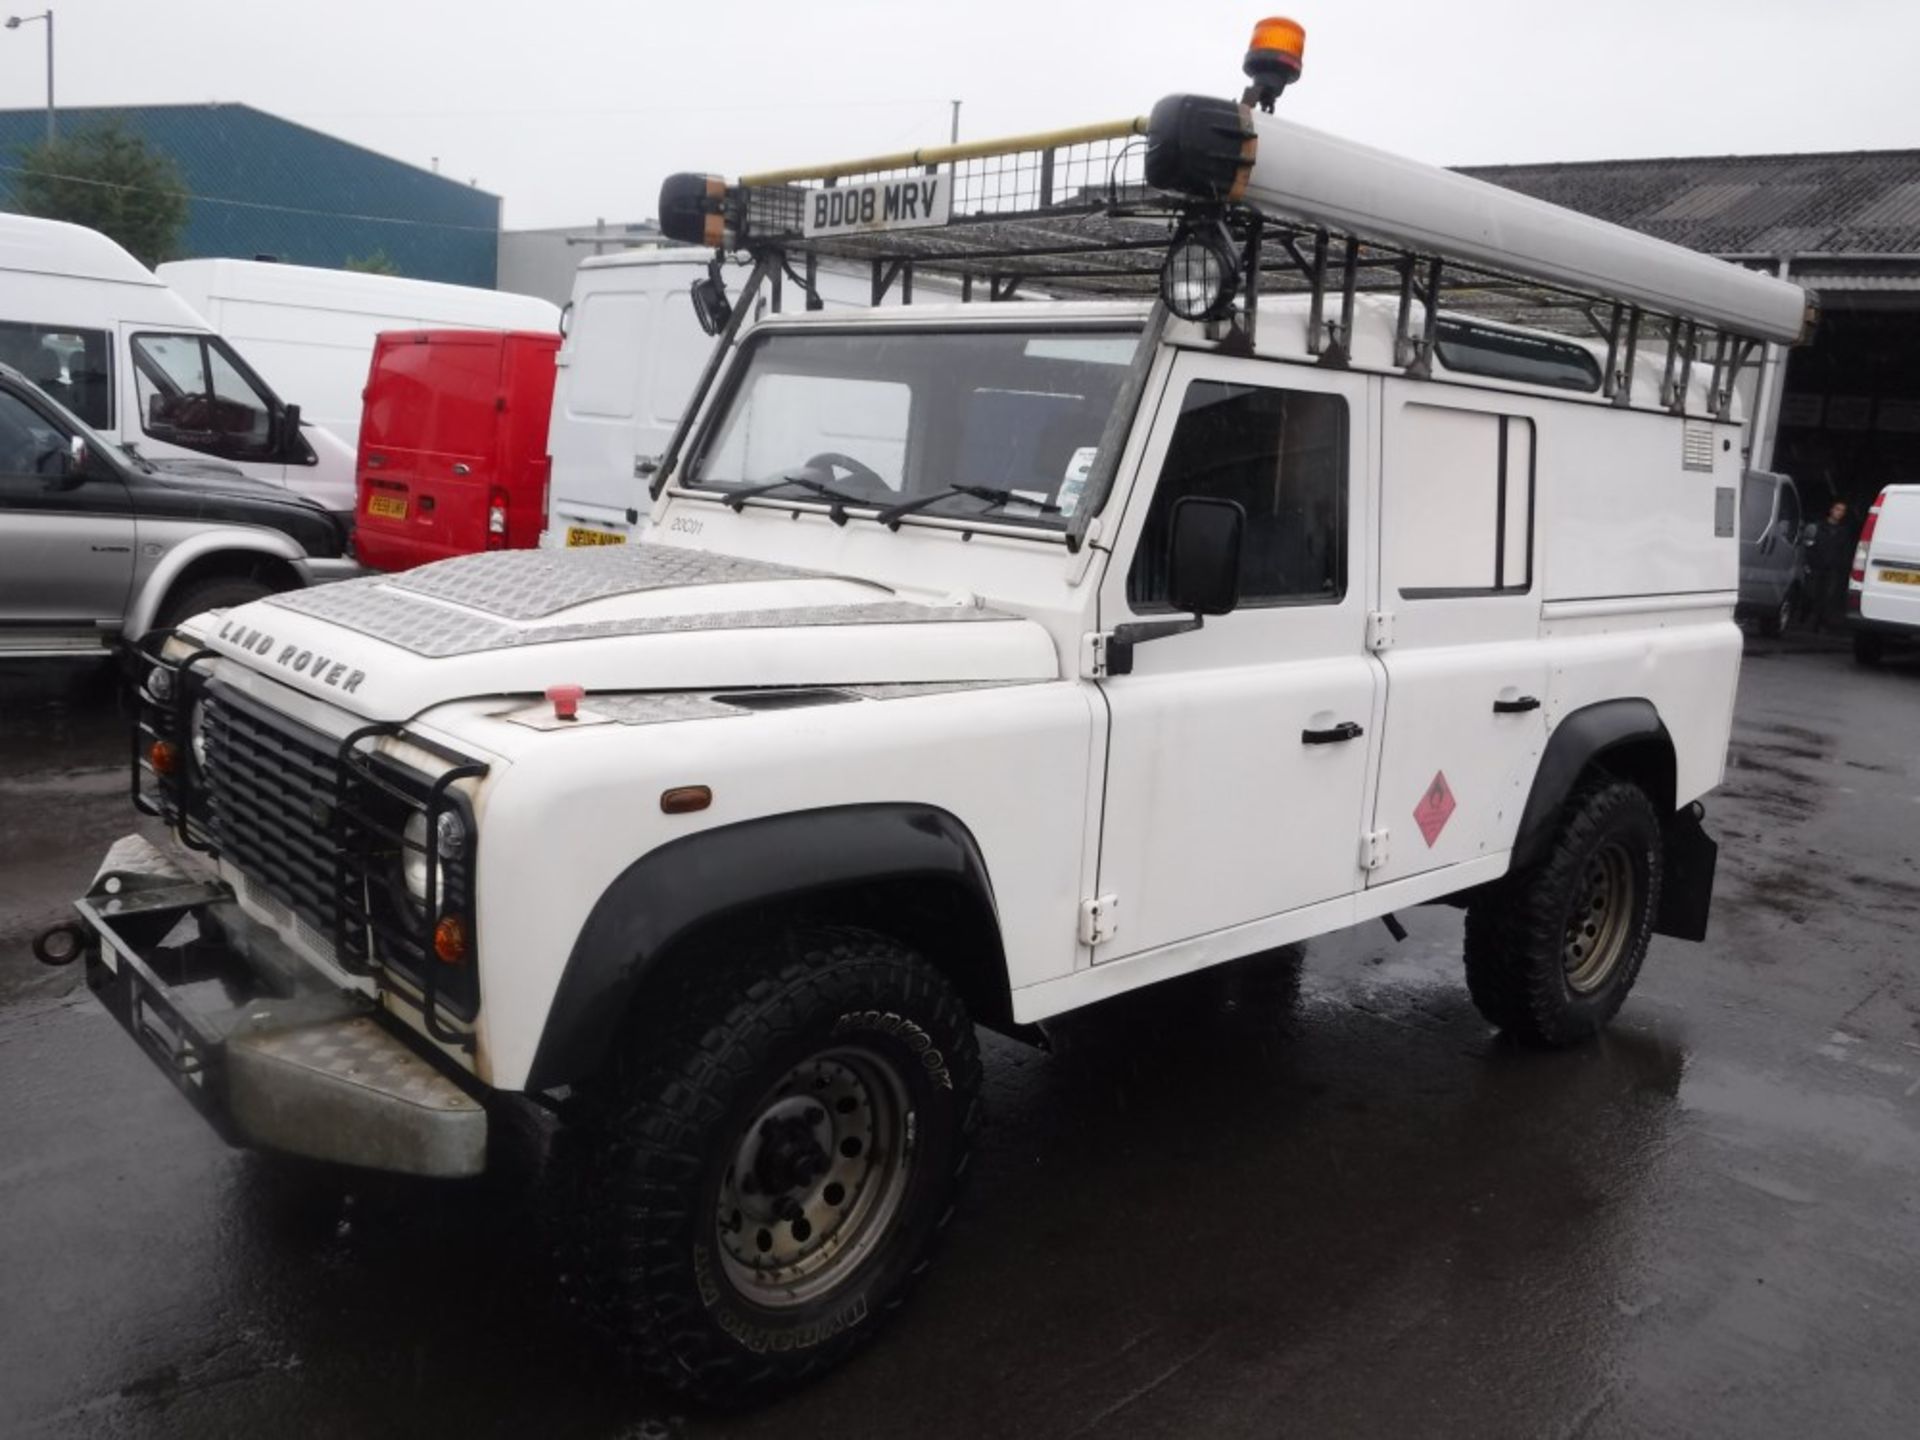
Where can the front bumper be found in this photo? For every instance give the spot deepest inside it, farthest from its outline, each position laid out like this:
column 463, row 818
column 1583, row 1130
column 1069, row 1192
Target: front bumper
column 269, row 1050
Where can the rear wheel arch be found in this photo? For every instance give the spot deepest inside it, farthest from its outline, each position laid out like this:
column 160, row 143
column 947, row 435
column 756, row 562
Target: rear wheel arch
column 912, row 872
column 1624, row 739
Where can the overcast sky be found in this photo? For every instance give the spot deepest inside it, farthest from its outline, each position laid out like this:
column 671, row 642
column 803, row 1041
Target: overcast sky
column 573, row 109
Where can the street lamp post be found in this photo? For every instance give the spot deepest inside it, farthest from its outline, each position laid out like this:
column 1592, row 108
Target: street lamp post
column 14, row 22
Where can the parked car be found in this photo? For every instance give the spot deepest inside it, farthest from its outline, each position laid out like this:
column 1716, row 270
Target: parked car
column 103, row 335
column 1883, row 592
column 1773, row 561
column 1129, row 637
column 96, row 544
column 453, row 445
column 311, row 330
column 632, row 355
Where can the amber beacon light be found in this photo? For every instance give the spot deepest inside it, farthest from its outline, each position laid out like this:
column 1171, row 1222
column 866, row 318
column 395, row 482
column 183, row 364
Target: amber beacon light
column 1273, row 59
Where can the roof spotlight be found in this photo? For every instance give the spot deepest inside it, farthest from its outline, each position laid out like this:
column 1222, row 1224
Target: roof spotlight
column 1201, row 274
column 1273, row 59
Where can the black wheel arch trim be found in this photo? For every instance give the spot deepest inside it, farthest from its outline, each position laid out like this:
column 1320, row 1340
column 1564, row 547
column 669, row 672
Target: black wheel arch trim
column 726, row 872
column 1576, row 742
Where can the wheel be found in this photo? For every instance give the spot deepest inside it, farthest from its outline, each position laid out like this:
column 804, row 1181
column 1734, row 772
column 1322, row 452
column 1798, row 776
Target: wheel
column 1869, row 650
column 218, row 593
column 1552, row 951
column 767, row 1168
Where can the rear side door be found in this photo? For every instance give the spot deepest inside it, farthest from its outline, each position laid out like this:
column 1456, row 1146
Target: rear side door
column 66, row 537
column 1466, row 672
column 521, row 467
column 429, row 442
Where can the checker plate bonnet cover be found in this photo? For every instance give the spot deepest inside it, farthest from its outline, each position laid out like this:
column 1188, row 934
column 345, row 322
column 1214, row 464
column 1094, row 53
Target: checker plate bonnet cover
column 644, row 617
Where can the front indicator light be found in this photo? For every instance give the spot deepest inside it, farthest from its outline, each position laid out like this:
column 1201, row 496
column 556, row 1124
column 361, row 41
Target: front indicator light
column 163, row 757
column 450, row 940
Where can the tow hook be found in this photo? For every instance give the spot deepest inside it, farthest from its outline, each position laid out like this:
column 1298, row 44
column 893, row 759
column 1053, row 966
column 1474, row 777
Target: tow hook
column 60, row 944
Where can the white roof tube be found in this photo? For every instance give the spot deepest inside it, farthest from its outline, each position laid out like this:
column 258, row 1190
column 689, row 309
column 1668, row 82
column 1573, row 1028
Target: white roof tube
column 1302, row 174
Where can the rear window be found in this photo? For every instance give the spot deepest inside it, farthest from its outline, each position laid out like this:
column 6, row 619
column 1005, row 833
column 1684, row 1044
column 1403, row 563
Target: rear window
column 440, row 397
column 1471, row 349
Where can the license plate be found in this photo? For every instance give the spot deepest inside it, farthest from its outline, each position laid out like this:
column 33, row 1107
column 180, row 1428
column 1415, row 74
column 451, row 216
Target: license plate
column 389, row 507
column 580, row 535
column 914, row 203
column 1900, row 577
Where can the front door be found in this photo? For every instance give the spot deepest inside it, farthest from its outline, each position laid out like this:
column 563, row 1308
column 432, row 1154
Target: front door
column 1238, row 753
column 1466, row 667
column 66, row 538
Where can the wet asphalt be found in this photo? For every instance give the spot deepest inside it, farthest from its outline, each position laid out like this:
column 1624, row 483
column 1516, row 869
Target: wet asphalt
column 1309, row 1195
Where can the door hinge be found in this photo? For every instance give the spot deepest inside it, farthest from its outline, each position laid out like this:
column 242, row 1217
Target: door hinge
column 1093, row 654
column 1098, row 920
column 1373, row 850
column 1379, row 630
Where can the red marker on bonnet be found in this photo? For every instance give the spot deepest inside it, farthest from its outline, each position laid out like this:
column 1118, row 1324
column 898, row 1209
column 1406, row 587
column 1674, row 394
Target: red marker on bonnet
column 566, row 700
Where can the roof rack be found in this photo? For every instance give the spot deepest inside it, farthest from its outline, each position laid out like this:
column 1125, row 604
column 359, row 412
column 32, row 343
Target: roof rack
column 1095, row 211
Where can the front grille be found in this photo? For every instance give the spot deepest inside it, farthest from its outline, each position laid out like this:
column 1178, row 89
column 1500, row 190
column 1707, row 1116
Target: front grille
column 273, row 792
column 315, row 827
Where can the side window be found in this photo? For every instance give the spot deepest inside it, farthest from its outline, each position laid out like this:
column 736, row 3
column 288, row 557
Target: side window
column 1789, row 512
column 191, row 392
column 1756, row 508
column 1282, row 455
column 1459, row 512
column 72, row 365
column 28, row 444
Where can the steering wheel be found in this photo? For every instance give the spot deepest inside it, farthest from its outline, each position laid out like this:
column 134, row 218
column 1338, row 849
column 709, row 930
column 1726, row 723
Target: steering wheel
column 830, row 460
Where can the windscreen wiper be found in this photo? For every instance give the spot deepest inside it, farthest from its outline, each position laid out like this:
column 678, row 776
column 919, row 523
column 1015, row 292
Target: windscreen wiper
column 891, row 516
column 839, row 498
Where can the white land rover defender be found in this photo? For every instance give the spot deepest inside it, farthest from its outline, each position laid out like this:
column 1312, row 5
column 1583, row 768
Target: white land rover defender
column 982, row 661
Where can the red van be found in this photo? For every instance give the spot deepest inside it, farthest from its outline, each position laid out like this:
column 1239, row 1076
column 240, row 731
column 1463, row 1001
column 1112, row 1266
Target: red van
column 453, row 445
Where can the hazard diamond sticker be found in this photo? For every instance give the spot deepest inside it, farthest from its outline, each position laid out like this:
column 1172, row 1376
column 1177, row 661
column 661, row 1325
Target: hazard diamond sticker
column 1435, row 808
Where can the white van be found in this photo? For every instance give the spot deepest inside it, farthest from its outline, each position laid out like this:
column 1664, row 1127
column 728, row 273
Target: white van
column 627, row 369
column 1883, row 595
column 312, row 330
column 106, row 337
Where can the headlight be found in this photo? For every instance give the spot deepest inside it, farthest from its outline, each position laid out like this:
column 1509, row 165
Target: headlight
column 1201, row 274
column 413, row 854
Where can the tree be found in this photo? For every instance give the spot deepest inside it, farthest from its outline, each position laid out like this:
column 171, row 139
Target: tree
column 109, row 180
column 378, row 263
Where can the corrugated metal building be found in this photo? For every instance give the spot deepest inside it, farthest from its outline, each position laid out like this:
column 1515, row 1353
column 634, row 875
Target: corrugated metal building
column 260, row 185
column 1842, row 415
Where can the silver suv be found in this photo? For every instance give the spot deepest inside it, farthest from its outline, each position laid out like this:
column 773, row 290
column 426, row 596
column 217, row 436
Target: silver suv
column 97, row 543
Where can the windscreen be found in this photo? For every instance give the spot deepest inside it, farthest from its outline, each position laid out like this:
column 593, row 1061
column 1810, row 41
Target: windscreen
column 998, row 423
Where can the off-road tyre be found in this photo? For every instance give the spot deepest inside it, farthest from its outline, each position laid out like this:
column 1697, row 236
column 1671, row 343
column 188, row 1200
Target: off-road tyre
column 1869, row 650
column 1535, row 941
column 648, row 1153
column 216, row 593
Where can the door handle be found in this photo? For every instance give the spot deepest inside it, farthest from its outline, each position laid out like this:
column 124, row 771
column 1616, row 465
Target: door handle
column 1516, row 707
column 1344, row 731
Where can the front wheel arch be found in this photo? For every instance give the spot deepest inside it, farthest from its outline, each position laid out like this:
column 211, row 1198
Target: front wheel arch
column 908, row 870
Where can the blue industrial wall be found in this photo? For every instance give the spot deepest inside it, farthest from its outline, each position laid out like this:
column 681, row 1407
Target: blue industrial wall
column 261, row 185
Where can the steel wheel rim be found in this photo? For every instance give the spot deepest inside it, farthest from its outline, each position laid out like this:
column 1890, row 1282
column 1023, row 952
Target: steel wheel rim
column 1600, row 919
column 816, row 1178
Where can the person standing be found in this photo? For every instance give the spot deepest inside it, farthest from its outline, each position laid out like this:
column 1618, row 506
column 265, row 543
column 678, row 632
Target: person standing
column 1829, row 558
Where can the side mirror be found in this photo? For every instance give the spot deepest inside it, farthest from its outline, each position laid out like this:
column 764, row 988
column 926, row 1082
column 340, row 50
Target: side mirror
column 711, row 307
column 77, row 455
column 286, row 434
column 1203, row 556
